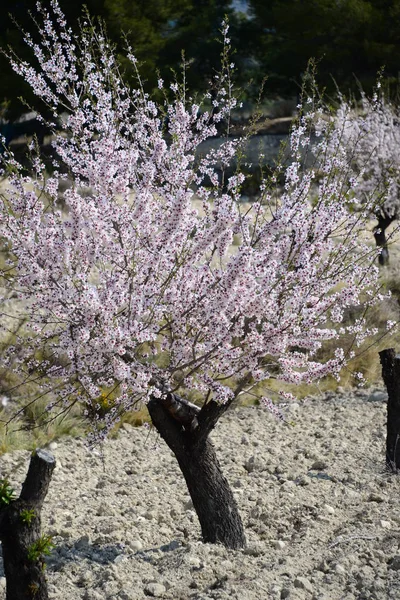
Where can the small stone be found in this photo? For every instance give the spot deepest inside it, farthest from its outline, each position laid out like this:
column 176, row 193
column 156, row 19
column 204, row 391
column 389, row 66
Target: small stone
column 303, row 480
column 136, row 545
column 156, row 590
column 53, row 446
column 378, row 396
column 254, row 550
column 279, row 544
column 303, row 584
column 151, row 515
column 394, row 563
column 285, row 593
column 83, row 542
column 92, row 595
column 340, row 570
column 329, row 509
column 385, row 524
column 195, row 562
column 374, row 497
column 119, row 559
column 319, row 465
column 126, row 595
column 127, row 427
column 2, row 582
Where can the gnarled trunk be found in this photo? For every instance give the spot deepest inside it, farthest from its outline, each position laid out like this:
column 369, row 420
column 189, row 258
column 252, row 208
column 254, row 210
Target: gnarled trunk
column 211, row 494
column 391, row 377
column 380, row 237
column 20, row 530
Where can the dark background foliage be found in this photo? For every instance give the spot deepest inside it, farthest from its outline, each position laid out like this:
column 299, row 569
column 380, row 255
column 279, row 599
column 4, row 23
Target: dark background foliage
column 351, row 39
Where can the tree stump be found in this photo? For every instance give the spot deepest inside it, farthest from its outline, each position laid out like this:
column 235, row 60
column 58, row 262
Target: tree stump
column 20, row 533
column 390, row 362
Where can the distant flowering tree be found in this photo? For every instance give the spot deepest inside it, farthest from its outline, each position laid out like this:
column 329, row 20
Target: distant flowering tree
column 148, row 279
column 370, row 136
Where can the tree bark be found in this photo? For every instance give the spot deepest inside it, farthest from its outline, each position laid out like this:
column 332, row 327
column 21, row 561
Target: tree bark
column 211, row 494
column 391, row 376
column 380, row 237
column 25, row 579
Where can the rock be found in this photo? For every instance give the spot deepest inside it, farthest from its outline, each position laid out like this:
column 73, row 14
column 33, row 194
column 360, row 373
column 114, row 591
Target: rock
column 329, row 509
column 194, row 562
column 254, row 549
column 394, row 563
column 136, row 545
column 151, row 515
column 285, row 593
column 93, row 595
column 53, row 446
column 374, row 497
column 2, row 582
column 303, row 481
column 279, row 544
column 378, row 396
column 154, row 589
column 127, row 595
column 303, row 584
column 340, row 570
column 253, row 464
column 385, row 524
column 83, row 542
column 319, row 465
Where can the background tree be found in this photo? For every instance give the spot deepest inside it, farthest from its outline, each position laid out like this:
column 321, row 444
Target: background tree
column 370, row 134
column 148, row 281
column 353, row 38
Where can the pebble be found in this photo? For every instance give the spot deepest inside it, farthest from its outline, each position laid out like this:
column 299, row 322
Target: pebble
column 156, row 590
column 378, row 396
column 319, row 465
column 136, row 545
column 329, row 509
column 254, row 549
column 303, row 583
column 385, row 524
column 279, row 544
column 194, row 562
column 340, row 570
column 53, row 446
column 395, row 563
column 374, row 497
column 83, row 542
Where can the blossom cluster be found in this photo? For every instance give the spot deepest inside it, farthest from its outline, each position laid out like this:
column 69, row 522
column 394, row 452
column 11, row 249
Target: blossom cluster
column 370, row 137
column 148, row 272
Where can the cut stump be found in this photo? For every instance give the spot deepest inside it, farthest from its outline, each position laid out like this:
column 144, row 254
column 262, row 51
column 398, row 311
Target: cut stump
column 20, row 533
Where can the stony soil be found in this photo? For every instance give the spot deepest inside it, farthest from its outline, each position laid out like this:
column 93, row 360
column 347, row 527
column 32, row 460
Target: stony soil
column 321, row 513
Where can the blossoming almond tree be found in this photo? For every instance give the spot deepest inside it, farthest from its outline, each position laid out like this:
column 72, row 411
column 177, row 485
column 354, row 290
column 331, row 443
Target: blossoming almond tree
column 370, row 137
column 128, row 286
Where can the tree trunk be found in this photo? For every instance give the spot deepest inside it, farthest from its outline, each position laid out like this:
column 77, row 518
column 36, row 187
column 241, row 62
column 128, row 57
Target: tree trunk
column 380, row 237
column 212, row 497
column 20, row 530
column 391, row 377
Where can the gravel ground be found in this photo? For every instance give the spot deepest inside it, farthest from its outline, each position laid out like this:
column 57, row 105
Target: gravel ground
column 320, row 511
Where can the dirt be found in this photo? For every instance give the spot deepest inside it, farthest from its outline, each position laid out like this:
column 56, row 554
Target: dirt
column 321, row 512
